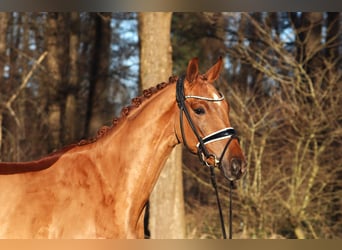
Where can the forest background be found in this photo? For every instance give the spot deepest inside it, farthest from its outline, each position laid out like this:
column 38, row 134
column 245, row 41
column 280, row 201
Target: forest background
column 64, row 75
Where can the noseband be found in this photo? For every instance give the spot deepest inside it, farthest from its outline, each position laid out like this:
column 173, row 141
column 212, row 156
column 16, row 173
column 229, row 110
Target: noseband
column 202, row 151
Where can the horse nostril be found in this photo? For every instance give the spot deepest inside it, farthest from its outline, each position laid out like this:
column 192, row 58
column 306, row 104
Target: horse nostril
column 236, row 167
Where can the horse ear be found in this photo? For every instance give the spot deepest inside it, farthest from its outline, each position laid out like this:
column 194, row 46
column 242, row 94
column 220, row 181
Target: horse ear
column 192, row 70
column 214, row 72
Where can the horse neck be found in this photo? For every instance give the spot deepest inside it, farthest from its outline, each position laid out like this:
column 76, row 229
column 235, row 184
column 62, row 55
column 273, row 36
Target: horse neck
column 139, row 146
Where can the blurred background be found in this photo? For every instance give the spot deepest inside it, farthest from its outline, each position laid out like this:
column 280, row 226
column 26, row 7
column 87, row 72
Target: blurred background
column 64, row 75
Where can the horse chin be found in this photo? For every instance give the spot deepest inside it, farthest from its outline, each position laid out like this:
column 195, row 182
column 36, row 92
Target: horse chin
column 226, row 173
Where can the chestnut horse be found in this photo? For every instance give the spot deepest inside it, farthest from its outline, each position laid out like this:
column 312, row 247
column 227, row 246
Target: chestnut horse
column 99, row 188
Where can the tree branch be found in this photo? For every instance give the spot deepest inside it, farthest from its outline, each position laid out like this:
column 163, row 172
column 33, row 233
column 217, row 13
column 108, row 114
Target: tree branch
column 8, row 104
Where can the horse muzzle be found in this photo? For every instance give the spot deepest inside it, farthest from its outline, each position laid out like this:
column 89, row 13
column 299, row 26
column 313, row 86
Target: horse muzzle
column 234, row 169
column 231, row 161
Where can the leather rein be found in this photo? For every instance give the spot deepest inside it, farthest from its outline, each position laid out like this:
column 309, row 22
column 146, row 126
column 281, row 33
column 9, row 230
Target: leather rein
column 202, row 151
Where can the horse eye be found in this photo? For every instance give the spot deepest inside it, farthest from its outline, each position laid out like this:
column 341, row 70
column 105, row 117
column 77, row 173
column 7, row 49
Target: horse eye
column 199, row 111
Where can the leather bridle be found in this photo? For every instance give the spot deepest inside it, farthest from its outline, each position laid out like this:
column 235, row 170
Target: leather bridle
column 202, row 151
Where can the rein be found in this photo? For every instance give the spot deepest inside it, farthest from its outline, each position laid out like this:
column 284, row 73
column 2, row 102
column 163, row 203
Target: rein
column 202, row 151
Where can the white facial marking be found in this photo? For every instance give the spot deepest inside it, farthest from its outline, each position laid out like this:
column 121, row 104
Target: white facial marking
column 216, row 96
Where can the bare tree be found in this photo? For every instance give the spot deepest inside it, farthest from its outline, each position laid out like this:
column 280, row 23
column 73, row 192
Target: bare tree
column 4, row 16
column 292, row 134
column 55, row 53
column 3, row 30
column 70, row 131
column 99, row 72
column 166, row 210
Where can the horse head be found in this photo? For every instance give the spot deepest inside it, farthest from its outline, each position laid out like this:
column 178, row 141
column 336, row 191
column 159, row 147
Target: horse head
column 204, row 126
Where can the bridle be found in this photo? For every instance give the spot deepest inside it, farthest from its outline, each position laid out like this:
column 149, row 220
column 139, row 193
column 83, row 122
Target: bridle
column 202, row 151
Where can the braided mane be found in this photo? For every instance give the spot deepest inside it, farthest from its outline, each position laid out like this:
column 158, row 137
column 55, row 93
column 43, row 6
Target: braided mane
column 48, row 160
column 135, row 103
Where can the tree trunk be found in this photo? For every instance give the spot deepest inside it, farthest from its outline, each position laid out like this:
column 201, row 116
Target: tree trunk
column 97, row 98
column 3, row 30
column 73, row 83
column 308, row 28
column 313, row 40
column 333, row 56
column 333, row 29
column 54, row 108
column 166, row 207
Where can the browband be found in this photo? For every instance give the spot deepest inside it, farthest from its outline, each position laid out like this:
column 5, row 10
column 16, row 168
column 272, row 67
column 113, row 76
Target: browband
column 206, row 98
